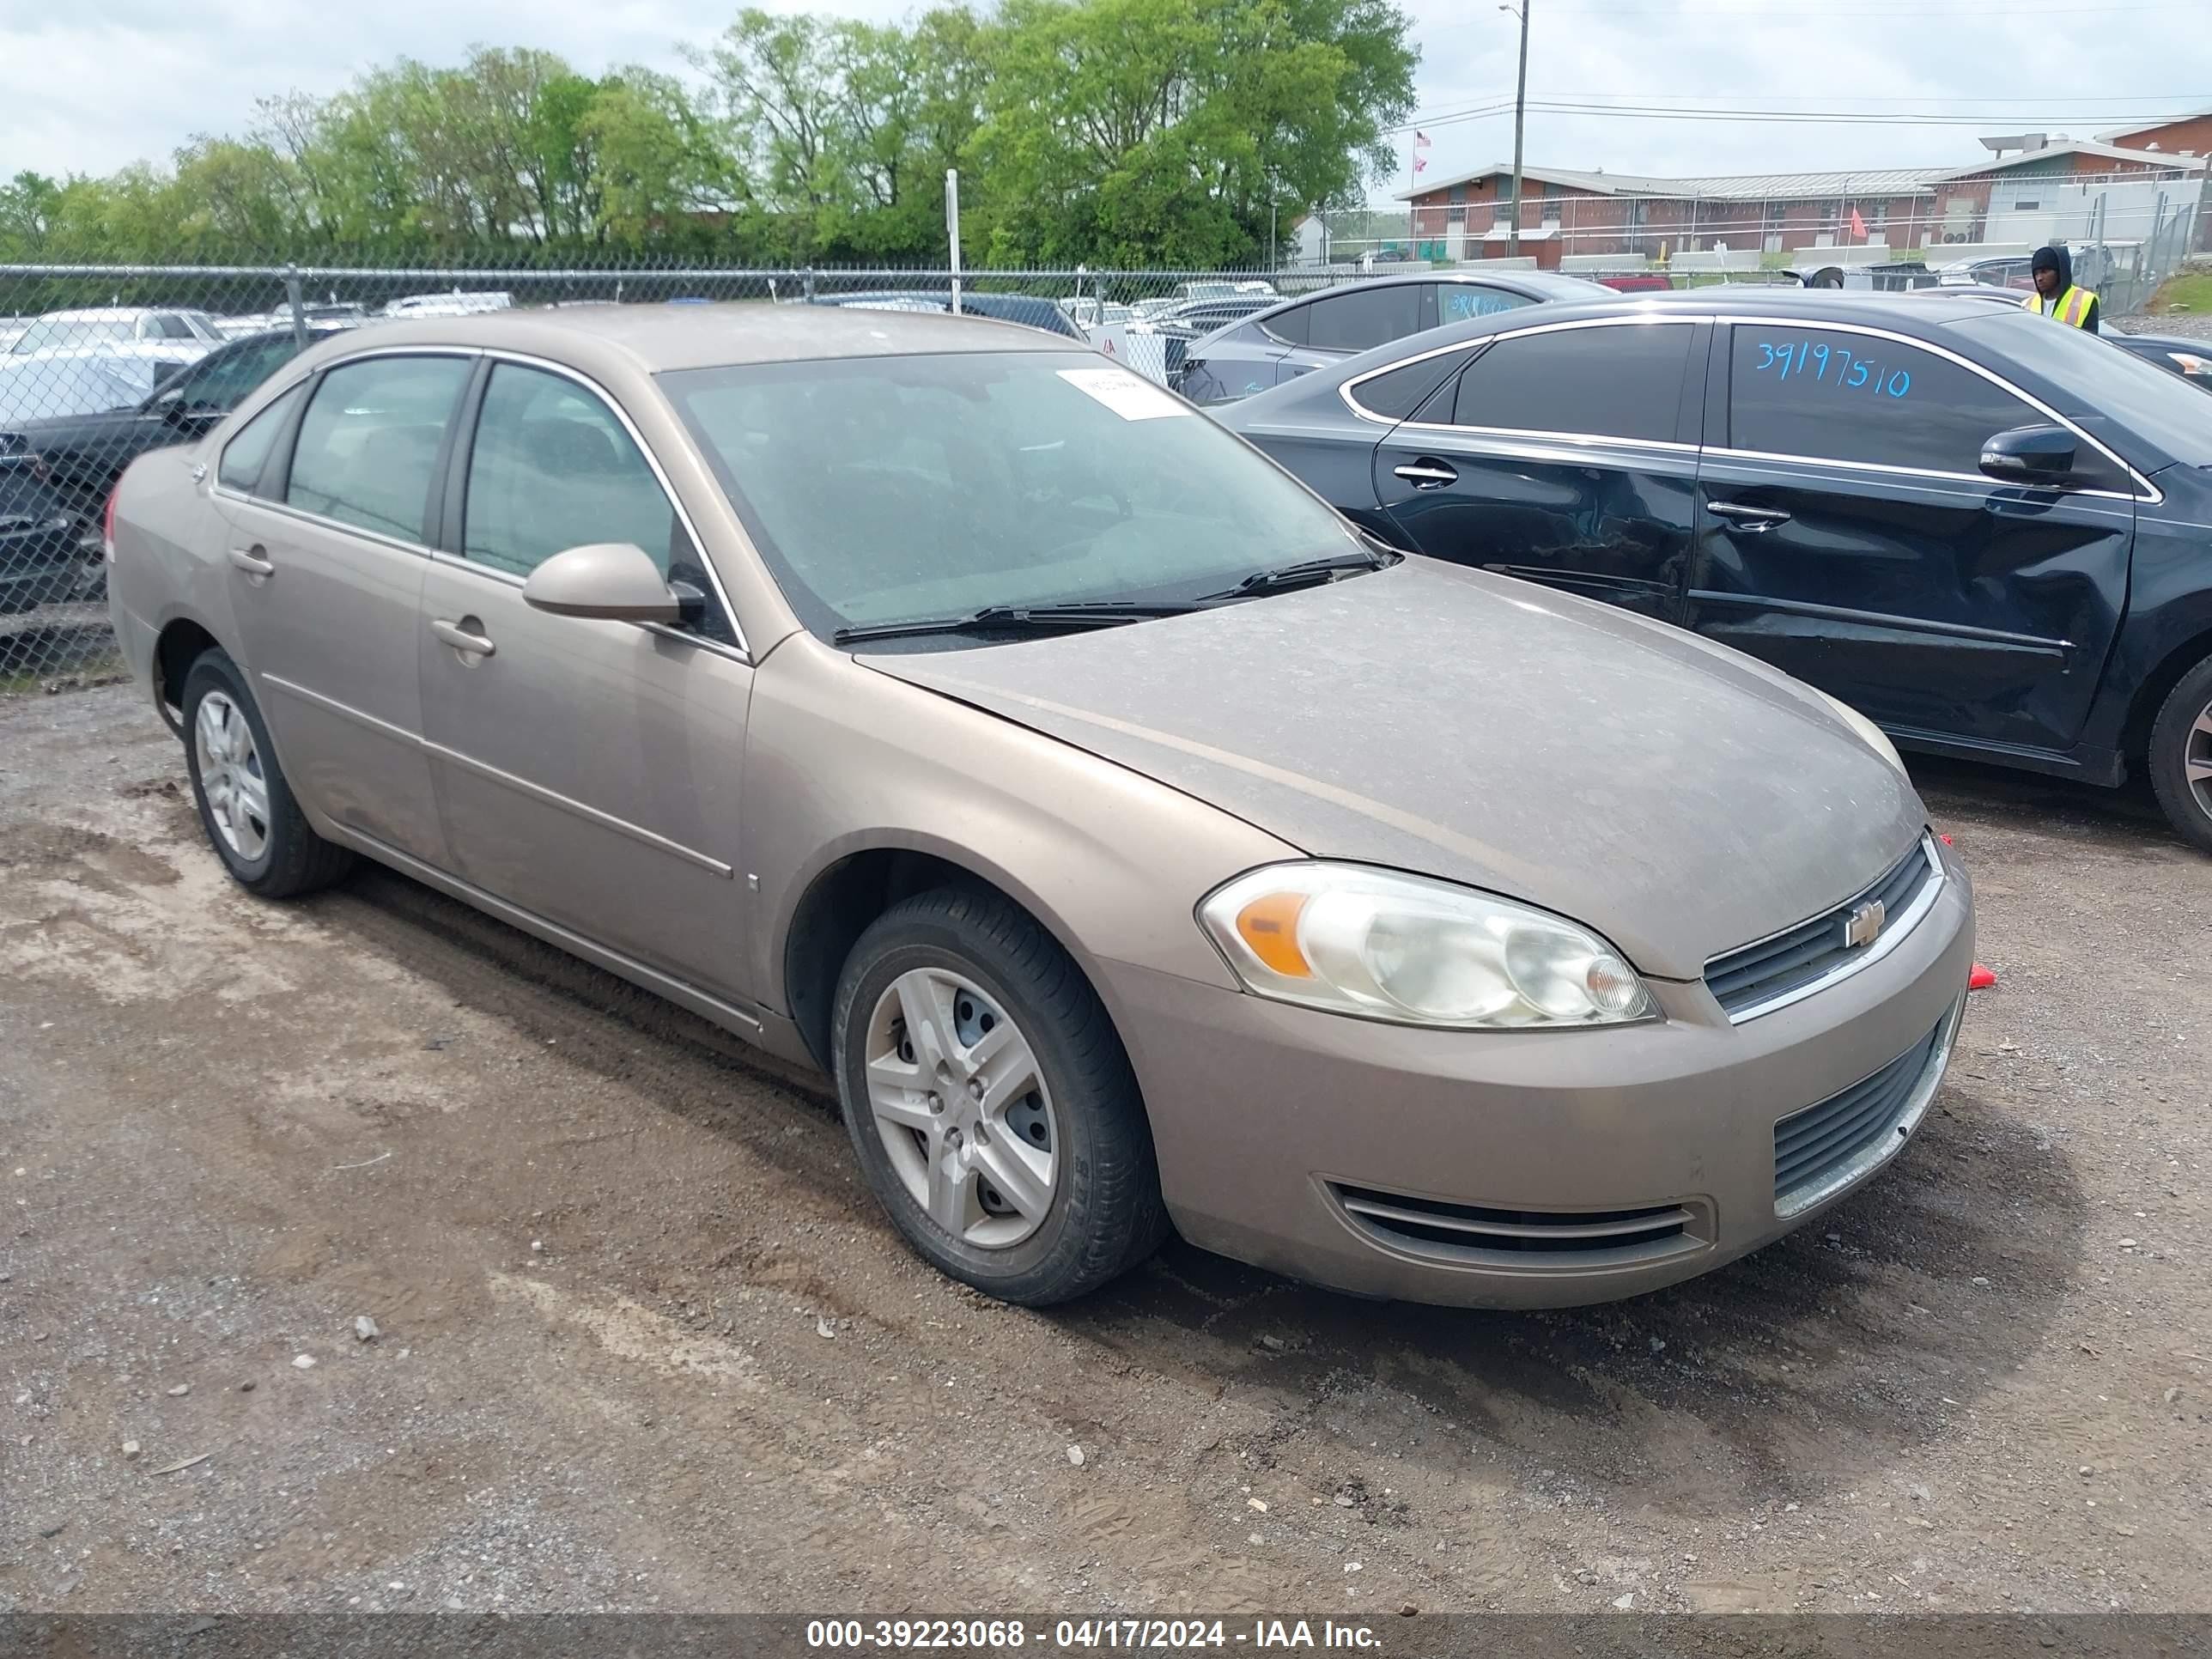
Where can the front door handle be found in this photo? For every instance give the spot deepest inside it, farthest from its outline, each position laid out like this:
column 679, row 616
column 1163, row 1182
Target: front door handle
column 1427, row 473
column 249, row 560
column 1740, row 517
column 464, row 637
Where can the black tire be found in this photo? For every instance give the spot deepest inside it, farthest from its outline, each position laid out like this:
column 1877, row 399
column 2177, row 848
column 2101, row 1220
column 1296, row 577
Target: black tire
column 294, row 860
column 2174, row 737
column 1106, row 1213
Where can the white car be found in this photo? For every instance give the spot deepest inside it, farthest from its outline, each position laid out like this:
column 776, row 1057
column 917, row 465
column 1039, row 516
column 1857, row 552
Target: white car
column 80, row 363
column 454, row 304
column 177, row 335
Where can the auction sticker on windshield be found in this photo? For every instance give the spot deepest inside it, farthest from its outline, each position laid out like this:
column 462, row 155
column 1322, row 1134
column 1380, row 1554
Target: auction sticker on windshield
column 1125, row 394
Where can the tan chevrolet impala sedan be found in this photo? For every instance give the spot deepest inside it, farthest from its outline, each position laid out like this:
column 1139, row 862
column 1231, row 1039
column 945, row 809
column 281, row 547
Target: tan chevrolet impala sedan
column 1134, row 843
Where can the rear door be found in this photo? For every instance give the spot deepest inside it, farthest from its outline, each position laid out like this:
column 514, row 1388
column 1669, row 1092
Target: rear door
column 1564, row 454
column 324, row 556
column 1846, row 534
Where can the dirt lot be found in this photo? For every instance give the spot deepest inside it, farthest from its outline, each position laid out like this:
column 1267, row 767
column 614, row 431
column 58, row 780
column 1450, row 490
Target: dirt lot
column 646, row 1343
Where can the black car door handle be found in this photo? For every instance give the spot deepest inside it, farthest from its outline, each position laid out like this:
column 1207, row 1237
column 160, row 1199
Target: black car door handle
column 1427, row 473
column 1740, row 517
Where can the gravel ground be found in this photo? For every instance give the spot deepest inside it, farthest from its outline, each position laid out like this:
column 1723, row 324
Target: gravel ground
column 2179, row 323
column 643, row 1342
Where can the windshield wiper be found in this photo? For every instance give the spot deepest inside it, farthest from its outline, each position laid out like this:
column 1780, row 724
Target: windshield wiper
column 1307, row 573
column 1014, row 619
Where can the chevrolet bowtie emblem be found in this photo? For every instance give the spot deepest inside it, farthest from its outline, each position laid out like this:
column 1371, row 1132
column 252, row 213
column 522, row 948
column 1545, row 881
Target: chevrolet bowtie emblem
column 1865, row 923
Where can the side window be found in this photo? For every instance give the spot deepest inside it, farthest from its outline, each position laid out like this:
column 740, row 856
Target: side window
column 1362, row 317
column 218, row 385
column 1398, row 392
column 1290, row 326
column 1619, row 381
column 1458, row 301
column 551, row 469
column 368, row 443
column 246, row 456
column 1840, row 396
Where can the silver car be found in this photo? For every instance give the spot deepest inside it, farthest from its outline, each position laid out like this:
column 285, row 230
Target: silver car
column 1132, row 843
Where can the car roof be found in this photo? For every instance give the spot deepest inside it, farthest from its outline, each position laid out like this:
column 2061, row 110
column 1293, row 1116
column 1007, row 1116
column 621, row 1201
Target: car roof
column 654, row 338
column 105, row 314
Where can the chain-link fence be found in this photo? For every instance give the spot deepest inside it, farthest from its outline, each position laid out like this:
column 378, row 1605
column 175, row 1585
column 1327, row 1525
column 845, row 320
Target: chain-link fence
column 102, row 364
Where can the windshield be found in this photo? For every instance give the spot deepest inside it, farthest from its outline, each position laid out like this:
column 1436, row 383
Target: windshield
column 52, row 335
column 2097, row 378
column 887, row 489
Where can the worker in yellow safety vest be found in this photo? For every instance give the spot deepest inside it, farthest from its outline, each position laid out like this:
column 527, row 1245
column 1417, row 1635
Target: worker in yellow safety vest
column 2056, row 294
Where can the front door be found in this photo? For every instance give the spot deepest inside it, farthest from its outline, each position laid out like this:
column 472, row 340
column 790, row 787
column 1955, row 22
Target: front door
column 1846, row 535
column 589, row 770
column 1564, row 454
column 325, row 552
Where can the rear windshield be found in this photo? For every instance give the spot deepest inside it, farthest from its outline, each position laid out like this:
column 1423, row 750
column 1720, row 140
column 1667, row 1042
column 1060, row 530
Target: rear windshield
column 888, row 488
column 2097, row 378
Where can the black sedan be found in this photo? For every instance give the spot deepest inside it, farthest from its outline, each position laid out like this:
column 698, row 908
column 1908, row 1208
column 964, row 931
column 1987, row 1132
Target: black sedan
column 81, row 456
column 1991, row 535
column 46, row 550
column 1285, row 340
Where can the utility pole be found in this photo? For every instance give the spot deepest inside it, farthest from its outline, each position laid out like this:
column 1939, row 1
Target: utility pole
column 1520, row 110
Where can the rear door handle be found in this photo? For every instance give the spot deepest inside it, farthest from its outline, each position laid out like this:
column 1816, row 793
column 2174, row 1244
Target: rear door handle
column 249, row 560
column 460, row 636
column 1742, row 517
column 1427, row 473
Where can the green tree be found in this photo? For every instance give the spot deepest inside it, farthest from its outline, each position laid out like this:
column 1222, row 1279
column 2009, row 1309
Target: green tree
column 1131, row 131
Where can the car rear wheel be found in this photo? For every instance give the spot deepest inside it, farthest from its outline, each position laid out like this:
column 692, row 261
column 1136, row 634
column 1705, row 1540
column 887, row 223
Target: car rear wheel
column 990, row 1104
column 246, row 806
column 2180, row 760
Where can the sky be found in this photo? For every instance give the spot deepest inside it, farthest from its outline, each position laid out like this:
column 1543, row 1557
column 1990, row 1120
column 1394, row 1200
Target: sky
column 90, row 90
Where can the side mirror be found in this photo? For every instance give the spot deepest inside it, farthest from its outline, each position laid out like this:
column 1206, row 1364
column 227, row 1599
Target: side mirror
column 2030, row 455
column 612, row 582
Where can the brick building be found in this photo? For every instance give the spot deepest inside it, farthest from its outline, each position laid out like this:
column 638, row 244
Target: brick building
column 2057, row 189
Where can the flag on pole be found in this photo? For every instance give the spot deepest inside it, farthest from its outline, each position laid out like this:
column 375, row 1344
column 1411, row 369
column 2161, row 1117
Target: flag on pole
column 1420, row 143
column 1421, row 140
column 1858, row 225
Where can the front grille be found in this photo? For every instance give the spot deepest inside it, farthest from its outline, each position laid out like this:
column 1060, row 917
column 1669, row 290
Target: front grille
column 1811, row 1147
column 1757, row 977
column 1471, row 1234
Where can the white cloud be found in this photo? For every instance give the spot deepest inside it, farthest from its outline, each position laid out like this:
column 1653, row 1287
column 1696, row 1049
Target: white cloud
column 132, row 79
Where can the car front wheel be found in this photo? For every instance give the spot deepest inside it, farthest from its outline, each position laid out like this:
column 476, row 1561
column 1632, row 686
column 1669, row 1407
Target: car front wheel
column 2181, row 755
column 990, row 1104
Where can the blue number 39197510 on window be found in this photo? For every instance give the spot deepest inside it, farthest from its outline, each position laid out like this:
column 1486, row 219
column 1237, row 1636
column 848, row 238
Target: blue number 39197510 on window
column 1812, row 359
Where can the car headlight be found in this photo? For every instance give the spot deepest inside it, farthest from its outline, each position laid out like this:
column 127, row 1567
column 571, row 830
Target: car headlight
column 1381, row 945
column 1870, row 734
column 2191, row 362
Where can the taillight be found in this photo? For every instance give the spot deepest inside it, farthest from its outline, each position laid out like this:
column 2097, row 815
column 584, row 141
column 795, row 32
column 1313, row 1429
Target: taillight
column 107, row 526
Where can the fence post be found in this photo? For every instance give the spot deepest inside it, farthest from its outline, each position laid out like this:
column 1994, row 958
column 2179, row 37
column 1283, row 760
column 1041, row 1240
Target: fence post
column 809, row 275
column 299, row 315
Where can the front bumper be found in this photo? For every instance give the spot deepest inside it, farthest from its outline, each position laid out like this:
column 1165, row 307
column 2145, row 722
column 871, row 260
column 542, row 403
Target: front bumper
column 1533, row 1169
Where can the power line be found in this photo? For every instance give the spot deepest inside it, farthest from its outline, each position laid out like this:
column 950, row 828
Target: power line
column 1821, row 117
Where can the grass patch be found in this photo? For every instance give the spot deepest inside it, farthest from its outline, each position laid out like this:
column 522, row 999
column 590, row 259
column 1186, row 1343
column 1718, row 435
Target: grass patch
column 2192, row 294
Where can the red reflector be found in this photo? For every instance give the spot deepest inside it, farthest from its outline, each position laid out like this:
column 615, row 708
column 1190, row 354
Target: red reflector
column 1981, row 979
column 1946, row 840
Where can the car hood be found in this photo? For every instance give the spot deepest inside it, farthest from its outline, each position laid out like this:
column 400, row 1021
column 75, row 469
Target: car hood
column 1676, row 796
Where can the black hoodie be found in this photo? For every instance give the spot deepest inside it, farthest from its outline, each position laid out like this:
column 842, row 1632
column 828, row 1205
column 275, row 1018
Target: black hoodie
column 2058, row 259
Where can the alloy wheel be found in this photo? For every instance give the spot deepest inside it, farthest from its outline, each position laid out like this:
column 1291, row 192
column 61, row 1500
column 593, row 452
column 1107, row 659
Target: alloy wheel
column 962, row 1108
column 231, row 777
